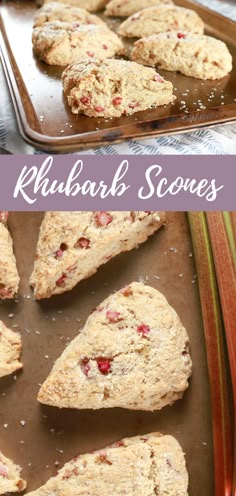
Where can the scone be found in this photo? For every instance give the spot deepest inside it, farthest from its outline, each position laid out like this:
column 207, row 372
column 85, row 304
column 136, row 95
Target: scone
column 125, row 8
column 73, row 245
column 9, row 279
column 10, row 479
column 90, row 5
column 197, row 56
column 62, row 43
column 133, row 352
column 10, row 350
column 55, row 11
column 149, row 465
column 111, row 88
column 156, row 20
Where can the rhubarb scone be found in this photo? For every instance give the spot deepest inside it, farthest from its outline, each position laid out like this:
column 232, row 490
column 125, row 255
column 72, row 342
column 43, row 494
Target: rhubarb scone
column 111, row 88
column 197, row 56
column 154, row 20
column 10, row 476
column 73, row 245
column 9, row 279
column 55, row 11
column 125, row 8
column 62, row 43
column 90, row 5
column 10, row 351
column 143, row 465
column 133, row 352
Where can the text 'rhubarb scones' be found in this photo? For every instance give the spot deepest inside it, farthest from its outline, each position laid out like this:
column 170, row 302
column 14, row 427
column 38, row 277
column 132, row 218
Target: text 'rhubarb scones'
column 10, row 479
column 10, row 350
column 55, row 11
column 90, row 5
column 73, row 245
column 133, row 352
column 197, row 56
column 125, row 8
column 9, row 279
column 156, row 20
column 62, row 43
column 111, row 88
column 140, row 466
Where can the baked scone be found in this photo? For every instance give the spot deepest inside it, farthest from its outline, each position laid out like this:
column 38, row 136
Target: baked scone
column 9, row 279
column 73, row 245
column 111, row 88
column 10, row 350
column 55, row 11
column 133, row 352
column 154, row 20
column 149, row 465
column 90, row 5
column 62, row 43
column 198, row 56
column 10, row 479
column 125, row 8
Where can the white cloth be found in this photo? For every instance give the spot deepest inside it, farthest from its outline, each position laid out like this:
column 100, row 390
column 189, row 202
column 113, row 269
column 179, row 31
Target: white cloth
column 215, row 140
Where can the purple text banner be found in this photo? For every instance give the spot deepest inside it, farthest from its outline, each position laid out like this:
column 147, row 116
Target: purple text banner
column 71, row 182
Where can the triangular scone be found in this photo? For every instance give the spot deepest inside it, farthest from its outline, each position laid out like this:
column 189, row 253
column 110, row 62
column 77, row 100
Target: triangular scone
column 148, row 465
column 132, row 353
column 10, row 350
column 9, row 279
column 10, row 479
column 72, row 245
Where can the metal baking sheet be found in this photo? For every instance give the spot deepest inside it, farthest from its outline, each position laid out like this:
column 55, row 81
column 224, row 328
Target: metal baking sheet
column 45, row 120
column 50, row 436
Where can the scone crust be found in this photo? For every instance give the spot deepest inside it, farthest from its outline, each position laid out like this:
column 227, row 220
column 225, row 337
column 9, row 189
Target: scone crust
column 111, row 88
column 154, row 20
column 9, row 279
column 133, row 352
column 197, row 56
column 56, row 11
column 10, row 479
column 62, row 43
column 150, row 464
column 125, row 8
column 10, row 351
column 73, row 245
column 90, row 5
